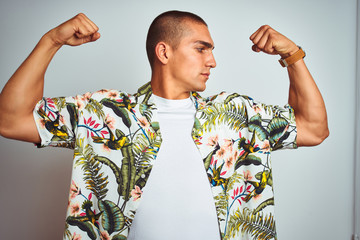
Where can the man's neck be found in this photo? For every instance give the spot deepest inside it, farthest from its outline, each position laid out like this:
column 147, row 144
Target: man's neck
column 166, row 88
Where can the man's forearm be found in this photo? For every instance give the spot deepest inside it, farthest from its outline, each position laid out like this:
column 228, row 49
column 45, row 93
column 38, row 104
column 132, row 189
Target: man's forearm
column 308, row 104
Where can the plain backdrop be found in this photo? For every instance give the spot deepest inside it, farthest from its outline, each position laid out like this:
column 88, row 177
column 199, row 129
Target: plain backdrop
column 314, row 187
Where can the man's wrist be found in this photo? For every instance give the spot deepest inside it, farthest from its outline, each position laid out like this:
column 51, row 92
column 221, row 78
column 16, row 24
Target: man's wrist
column 292, row 51
column 293, row 58
column 49, row 40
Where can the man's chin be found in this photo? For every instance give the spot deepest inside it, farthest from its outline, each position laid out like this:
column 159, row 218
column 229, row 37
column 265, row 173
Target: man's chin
column 200, row 88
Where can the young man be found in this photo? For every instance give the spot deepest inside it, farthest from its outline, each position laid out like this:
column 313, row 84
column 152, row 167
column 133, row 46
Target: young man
column 118, row 137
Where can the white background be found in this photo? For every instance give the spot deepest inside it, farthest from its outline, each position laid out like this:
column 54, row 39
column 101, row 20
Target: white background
column 314, row 187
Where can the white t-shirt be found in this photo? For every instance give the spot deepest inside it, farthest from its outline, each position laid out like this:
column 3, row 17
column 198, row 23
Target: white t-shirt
column 176, row 202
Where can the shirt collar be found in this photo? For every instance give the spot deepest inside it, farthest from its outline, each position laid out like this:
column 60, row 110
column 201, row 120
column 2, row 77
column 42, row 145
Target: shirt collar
column 148, row 100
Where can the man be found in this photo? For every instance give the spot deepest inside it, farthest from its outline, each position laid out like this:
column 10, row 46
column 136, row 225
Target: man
column 118, row 137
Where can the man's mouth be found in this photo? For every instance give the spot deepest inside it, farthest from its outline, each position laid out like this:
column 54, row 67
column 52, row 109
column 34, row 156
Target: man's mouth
column 206, row 75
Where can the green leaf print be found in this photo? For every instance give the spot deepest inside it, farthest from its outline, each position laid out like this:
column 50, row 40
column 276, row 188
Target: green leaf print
column 119, row 237
column 231, row 114
column 231, row 97
column 119, row 110
column 276, row 128
column 112, row 218
column 94, row 106
column 116, row 170
column 128, row 172
column 73, row 114
column 250, row 159
column 256, row 127
column 207, row 159
column 254, row 224
column 83, row 225
column 93, row 177
column 264, row 204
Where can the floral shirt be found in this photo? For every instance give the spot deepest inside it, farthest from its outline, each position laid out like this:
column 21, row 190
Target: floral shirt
column 116, row 137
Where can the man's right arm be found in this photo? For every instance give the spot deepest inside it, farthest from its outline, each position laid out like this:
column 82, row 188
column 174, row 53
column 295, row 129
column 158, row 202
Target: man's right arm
column 25, row 88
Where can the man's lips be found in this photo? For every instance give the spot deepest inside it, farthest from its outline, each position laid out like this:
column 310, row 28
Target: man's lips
column 206, row 74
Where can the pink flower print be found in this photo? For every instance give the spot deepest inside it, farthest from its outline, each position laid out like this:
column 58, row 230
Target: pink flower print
column 50, row 103
column 266, row 146
column 225, row 149
column 143, row 122
column 74, row 209
column 110, row 121
column 247, row 175
column 112, row 94
column 105, row 236
column 228, row 145
column 220, row 153
column 136, row 193
column 74, row 190
column 76, row 236
column 92, row 126
column 213, row 140
column 102, row 91
column 87, row 96
column 237, row 191
column 256, row 108
column 229, row 161
column 79, row 101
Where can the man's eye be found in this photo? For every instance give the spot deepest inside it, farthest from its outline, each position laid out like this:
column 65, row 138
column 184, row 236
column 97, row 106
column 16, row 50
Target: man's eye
column 201, row 50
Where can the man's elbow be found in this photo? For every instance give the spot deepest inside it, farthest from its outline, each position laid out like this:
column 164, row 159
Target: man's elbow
column 312, row 136
column 5, row 129
column 321, row 136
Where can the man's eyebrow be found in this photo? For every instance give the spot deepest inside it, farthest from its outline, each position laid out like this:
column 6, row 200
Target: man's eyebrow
column 206, row 44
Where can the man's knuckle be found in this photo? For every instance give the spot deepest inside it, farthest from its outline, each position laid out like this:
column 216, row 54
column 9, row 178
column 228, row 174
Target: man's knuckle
column 80, row 15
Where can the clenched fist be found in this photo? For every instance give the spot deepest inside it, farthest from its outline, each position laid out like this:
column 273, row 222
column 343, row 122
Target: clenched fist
column 76, row 31
column 267, row 40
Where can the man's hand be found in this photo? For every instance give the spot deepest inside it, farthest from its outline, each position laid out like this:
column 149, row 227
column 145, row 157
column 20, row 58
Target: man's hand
column 268, row 40
column 76, row 31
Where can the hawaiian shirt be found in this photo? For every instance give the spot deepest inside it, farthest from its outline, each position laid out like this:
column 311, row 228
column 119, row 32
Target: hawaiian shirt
column 116, row 137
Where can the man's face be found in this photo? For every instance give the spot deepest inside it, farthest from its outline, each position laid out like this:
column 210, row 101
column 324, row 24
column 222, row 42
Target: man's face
column 192, row 60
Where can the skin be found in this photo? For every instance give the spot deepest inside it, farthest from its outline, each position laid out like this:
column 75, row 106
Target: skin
column 176, row 72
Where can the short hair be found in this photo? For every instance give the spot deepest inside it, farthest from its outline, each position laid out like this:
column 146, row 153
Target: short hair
column 168, row 27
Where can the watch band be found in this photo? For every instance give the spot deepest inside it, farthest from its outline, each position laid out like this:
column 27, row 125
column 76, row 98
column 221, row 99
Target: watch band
column 293, row 58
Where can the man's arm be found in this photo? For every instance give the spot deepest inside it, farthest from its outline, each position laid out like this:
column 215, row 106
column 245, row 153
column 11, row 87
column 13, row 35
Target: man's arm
column 304, row 95
column 25, row 88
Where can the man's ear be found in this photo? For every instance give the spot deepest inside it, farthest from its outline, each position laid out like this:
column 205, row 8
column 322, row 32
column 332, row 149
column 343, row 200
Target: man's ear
column 162, row 52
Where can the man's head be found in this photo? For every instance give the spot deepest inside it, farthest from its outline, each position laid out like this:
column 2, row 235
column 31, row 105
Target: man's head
column 169, row 27
column 179, row 48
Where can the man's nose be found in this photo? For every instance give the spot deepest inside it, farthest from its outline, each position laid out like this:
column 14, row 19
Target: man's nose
column 211, row 61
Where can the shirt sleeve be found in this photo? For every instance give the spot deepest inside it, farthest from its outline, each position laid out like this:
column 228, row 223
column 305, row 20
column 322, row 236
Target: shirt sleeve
column 275, row 123
column 56, row 120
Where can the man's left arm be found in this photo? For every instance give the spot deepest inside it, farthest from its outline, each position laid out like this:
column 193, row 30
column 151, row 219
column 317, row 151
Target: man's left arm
column 304, row 95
